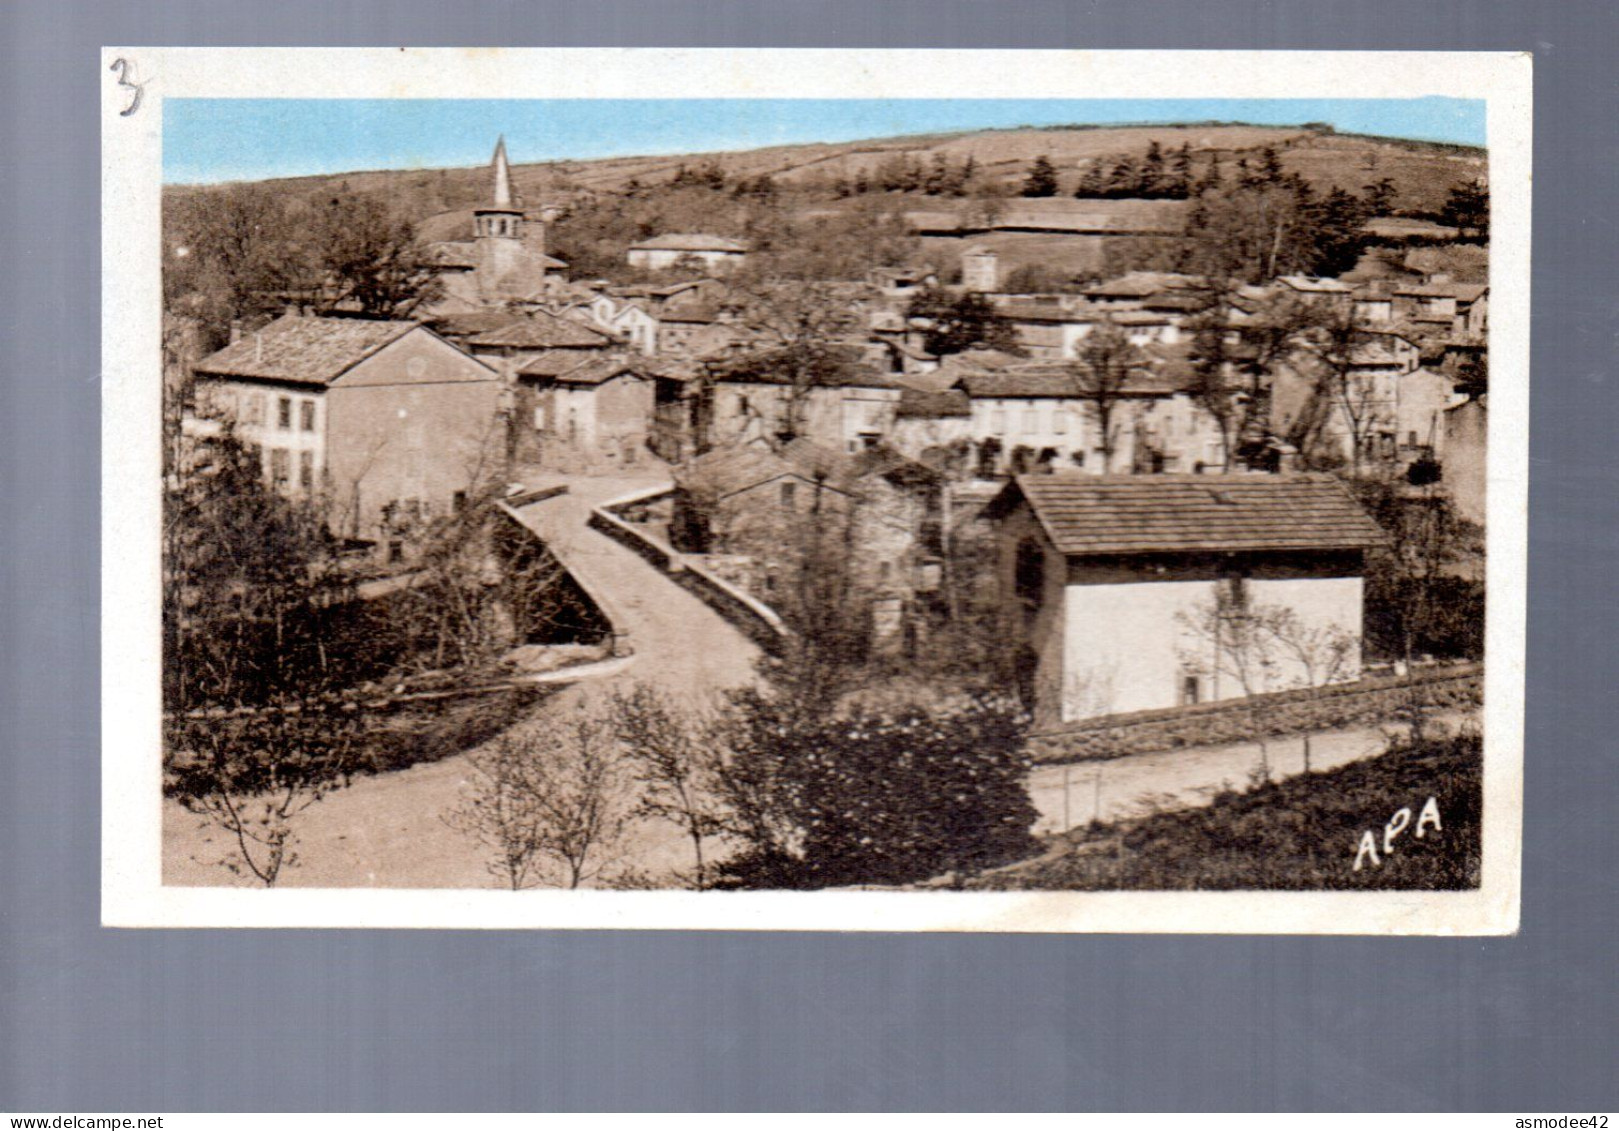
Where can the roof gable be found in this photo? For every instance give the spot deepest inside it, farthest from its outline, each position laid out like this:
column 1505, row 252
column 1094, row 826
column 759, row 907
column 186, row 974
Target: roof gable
column 310, row 351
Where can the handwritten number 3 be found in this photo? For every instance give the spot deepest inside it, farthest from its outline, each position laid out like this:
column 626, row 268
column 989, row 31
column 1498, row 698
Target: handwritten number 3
column 126, row 71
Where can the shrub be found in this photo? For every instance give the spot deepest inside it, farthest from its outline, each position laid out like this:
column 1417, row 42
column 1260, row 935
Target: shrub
column 827, row 800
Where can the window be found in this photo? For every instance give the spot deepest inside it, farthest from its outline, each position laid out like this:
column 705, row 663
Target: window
column 789, row 492
column 539, row 418
column 306, row 470
column 1059, row 421
column 458, row 502
column 283, row 413
column 1029, row 574
column 1031, row 420
column 278, row 464
column 1234, row 595
column 306, row 416
column 997, row 421
column 251, row 410
column 1191, row 690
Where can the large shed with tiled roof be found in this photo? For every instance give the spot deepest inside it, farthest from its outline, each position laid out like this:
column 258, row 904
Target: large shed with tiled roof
column 1121, row 587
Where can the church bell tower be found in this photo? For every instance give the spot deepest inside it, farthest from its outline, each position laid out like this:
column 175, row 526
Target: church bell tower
column 501, row 218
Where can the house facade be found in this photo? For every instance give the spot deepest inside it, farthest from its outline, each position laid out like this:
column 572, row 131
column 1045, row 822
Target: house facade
column 1133, row 593
column 386, row 423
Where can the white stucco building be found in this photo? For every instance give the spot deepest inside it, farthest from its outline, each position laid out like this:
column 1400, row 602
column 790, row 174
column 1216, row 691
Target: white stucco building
column 1128, row 593
column 710, row 252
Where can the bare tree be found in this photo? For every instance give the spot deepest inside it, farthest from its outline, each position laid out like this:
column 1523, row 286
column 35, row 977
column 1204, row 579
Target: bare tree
column 678, row 762
column 1107, row 360
column 253, row 774
column 1337, row 341
column 369, row 257
column 549, row 795
column 800, row 333
column 1234, row 637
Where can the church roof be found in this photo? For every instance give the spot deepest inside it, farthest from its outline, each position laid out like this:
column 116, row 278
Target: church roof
column 311, row 350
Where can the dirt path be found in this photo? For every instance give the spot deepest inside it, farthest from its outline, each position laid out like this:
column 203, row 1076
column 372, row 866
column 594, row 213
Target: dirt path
column 1180, row 779
column 387, row 831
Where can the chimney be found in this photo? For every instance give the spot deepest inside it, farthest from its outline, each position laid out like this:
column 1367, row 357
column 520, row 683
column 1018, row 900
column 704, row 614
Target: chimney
column 235, row 330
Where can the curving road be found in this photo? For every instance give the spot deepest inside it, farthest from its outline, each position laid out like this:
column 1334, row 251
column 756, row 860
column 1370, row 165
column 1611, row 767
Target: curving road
column 388, row 830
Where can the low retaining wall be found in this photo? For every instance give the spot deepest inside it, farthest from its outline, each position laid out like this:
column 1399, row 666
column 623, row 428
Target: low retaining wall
column 754, row 618
column 1277, row 713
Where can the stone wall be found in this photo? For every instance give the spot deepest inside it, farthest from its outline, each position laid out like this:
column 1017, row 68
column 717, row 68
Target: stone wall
column 1374, row 699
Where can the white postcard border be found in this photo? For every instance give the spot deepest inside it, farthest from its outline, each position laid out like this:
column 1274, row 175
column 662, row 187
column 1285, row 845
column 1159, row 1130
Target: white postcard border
column 132, row 891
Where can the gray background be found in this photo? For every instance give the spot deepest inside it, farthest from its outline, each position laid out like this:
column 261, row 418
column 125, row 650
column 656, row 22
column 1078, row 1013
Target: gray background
column 94, row 1019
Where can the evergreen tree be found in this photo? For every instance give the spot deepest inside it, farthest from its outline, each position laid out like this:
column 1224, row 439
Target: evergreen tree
column 1152, row 171
column 1092, row 184
column 1180, row 184
column 1467, row 209
column 1125, row 178
column 1380, row 197
column 1042, row 178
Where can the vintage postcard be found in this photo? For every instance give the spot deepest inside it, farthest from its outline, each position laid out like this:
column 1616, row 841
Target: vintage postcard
column 815, row 490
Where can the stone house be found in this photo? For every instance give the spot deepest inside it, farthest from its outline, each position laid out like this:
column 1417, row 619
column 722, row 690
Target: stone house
column 519, row 339
column 1130, row 593
column 776, row 511
column 584, row 415
column 1393, row 404
column 847, row 405
column 1031, row 414
column 1462, row 456
column 386, row 422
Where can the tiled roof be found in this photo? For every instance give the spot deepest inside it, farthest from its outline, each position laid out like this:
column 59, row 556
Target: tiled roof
column 992, row 384
column 309, row 350
column 1141, row 284
column 1309, row 284
column 589, row 371
column 922, row 404
column 471, row 322
column 725, row 471
column 1064, row 215
column 841, row 367
column 1131, row 514
column 689, row 312
column 689, row 241
column 542, row 331
column 1061, row 380
column 550, row 363
column 1026, row 311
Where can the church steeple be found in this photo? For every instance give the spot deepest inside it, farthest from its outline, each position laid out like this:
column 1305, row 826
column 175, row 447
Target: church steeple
column 501, row 218
column 503, row 175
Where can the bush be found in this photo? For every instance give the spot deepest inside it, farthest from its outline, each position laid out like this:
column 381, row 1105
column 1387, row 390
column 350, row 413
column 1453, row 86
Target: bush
column 866, row 798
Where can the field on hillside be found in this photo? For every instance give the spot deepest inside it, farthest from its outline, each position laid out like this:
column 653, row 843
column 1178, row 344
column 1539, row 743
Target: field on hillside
column 443, row 198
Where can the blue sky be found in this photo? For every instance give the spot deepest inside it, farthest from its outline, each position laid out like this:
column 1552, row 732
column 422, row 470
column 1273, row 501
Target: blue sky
column 217, row 139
